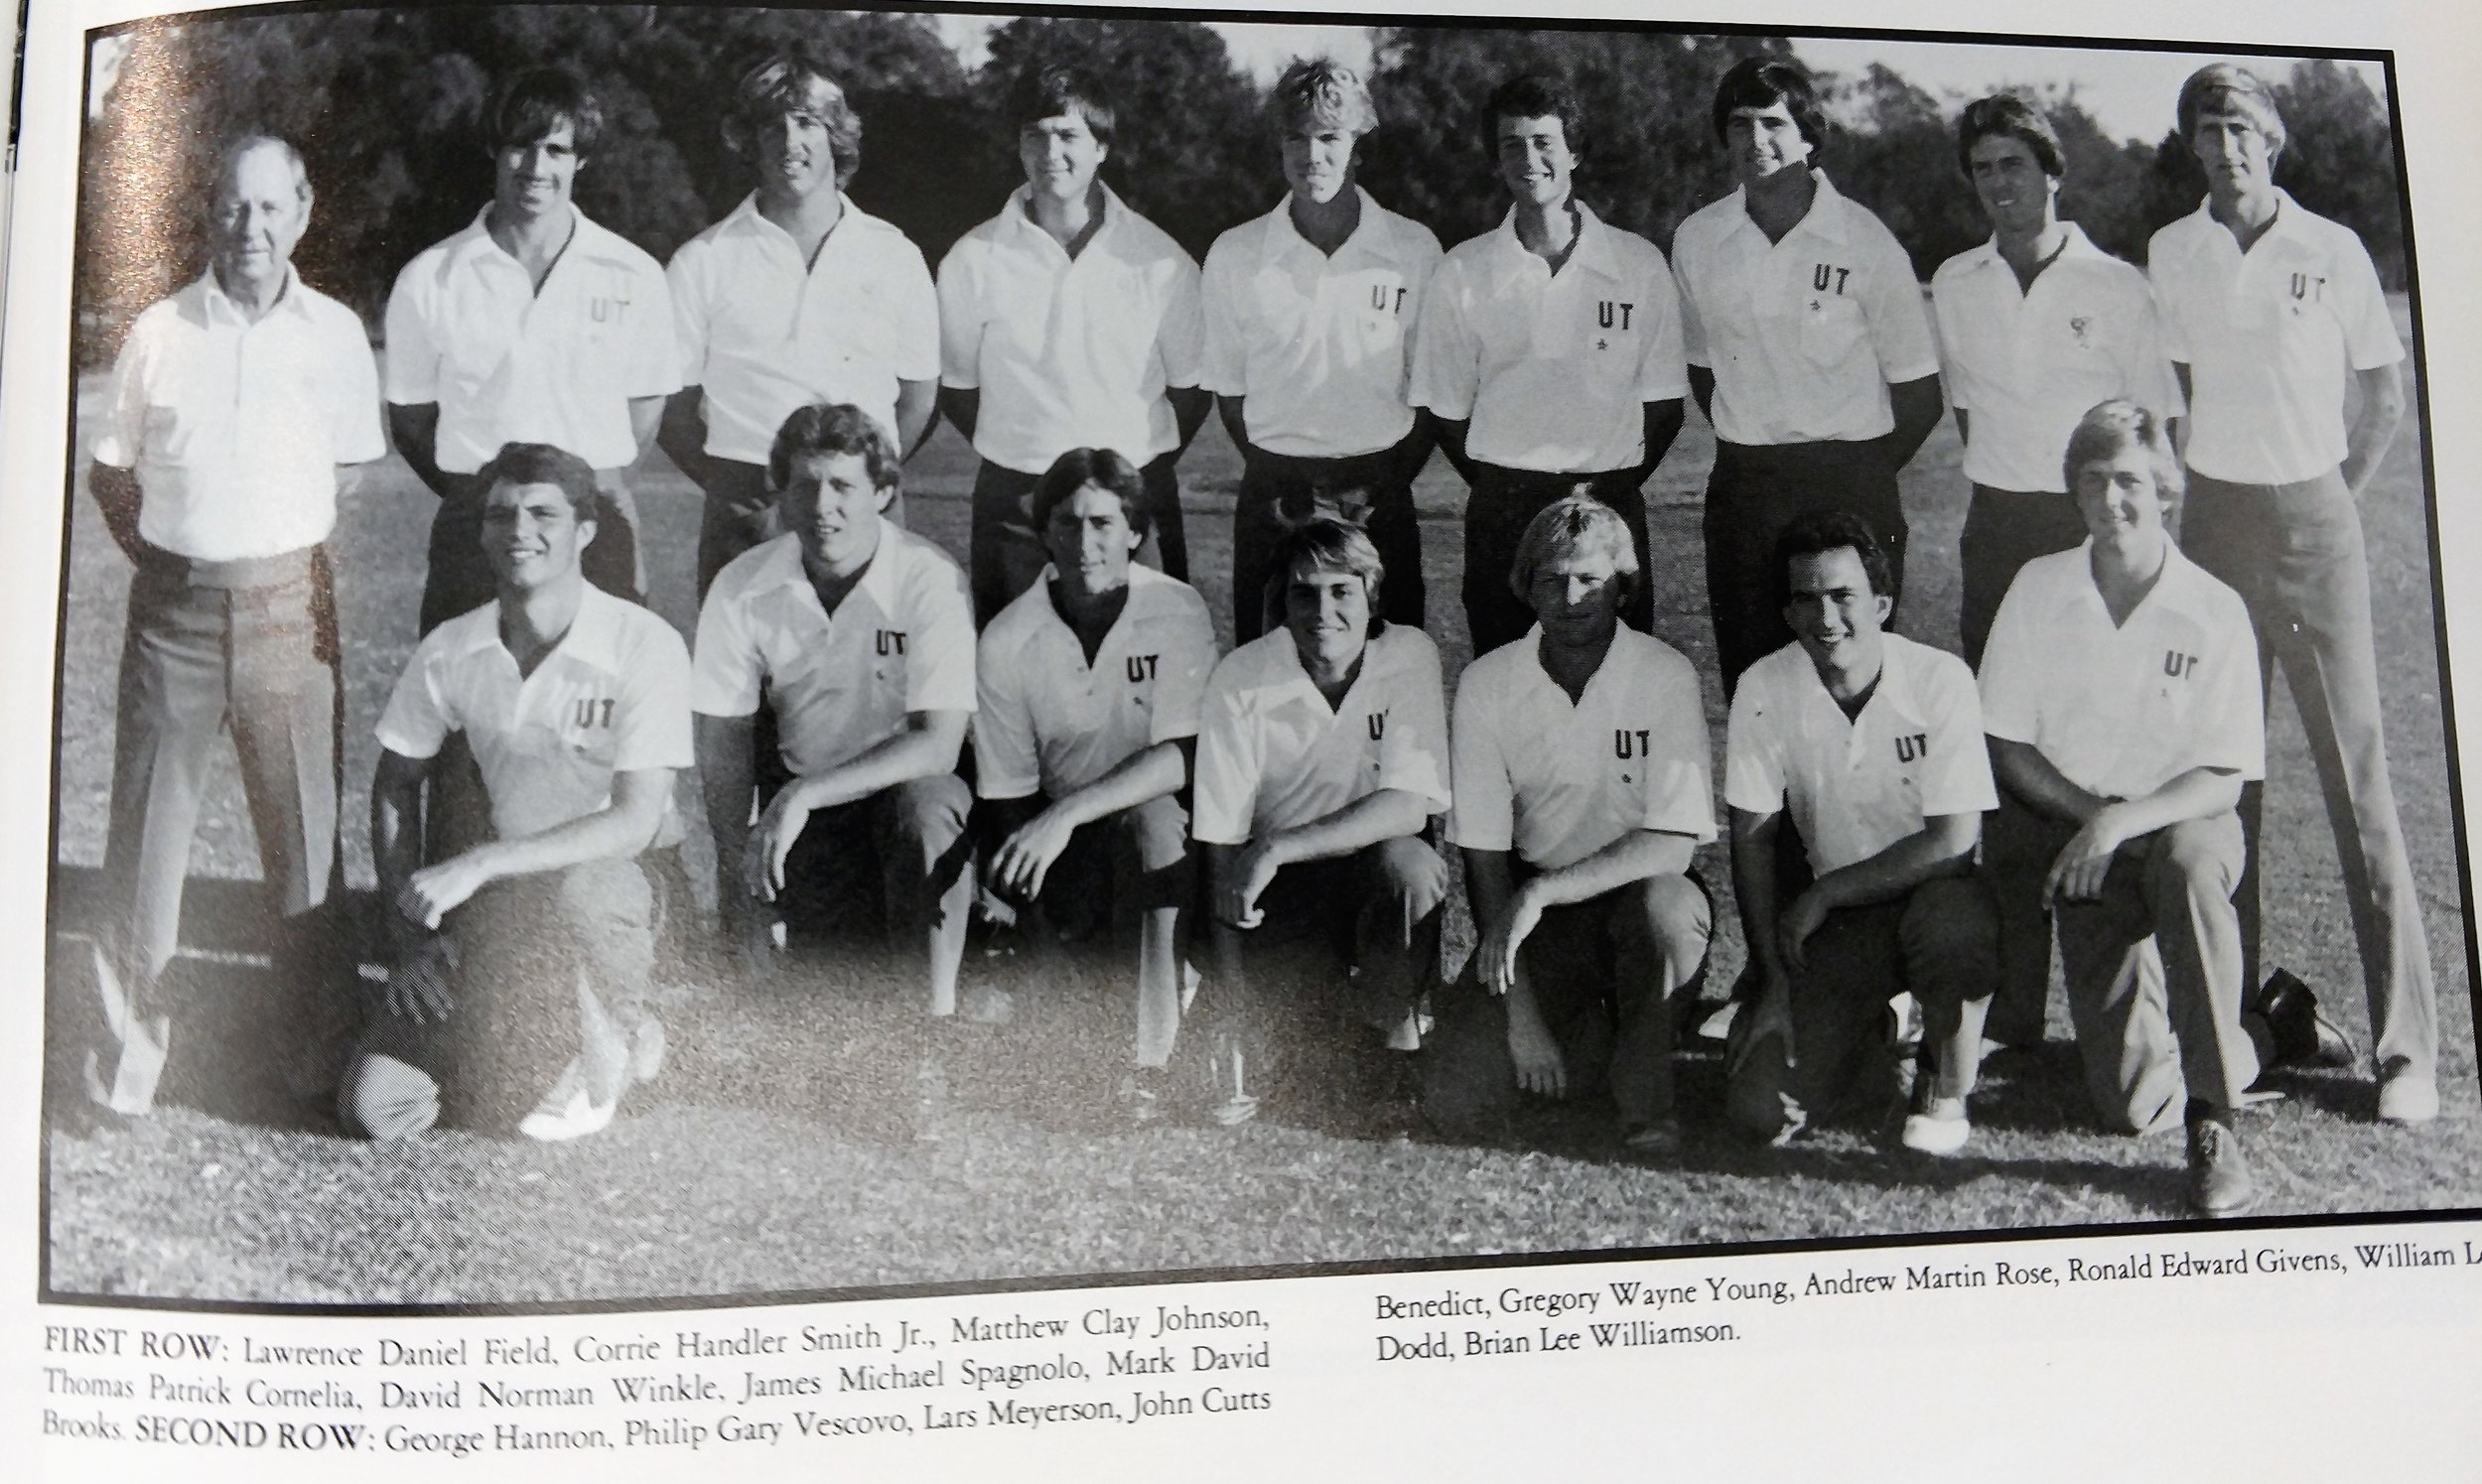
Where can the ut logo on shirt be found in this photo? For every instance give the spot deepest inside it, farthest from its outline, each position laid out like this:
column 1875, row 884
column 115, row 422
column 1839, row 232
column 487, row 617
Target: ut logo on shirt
column 1827, row 277
column 1626, row 744
column 1141, row 668
column 608, row 308
column 590, row 712
column 2306, row 288
column 2177, row 665
column 1388, row 299
column 1914, row 748
column 1377, row 721
column 1608, row 314
column 890, row 641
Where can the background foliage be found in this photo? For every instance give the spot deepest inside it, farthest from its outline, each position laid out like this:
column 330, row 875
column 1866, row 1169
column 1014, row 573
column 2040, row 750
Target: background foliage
column 384, row 104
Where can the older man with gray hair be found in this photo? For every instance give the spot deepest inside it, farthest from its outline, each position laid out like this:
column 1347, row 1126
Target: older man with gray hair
column 229, row 409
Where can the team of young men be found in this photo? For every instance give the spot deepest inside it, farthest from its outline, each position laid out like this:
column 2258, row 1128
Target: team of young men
column 787, row 361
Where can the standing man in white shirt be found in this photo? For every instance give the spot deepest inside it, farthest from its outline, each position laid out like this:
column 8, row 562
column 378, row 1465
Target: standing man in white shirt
column 533, row 324
column 1549, row 356
column 2035, row 326
column 2121, row 694
column 1874, row 745
column 1085, row 719
column 1809, row 350
column 1582, row 792
column 859, row 638
column 1309, row 313
column 519, row 967
column 1067, row 321
column 2266, row 305
column 1322, row 757
column 797, row 297
column 228, row 411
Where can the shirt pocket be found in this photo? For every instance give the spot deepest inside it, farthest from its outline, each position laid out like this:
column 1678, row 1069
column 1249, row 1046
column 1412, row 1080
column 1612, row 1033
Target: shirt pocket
column 1831, row 329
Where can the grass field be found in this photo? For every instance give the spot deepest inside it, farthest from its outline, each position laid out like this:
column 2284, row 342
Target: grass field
column 772, row 1158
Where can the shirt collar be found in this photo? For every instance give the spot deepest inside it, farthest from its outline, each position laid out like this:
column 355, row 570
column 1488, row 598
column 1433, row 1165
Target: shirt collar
column 217, row 307
column 1284, row 238
column 783, row 568
column 1593, row 252
column 1825, row 219
column 2077, row 246
column 2288, row 221
column 588, row 240
column 593, row 639
column 1893, row 688
column 2175, row 589
column 1022, row 218
column 746, row 219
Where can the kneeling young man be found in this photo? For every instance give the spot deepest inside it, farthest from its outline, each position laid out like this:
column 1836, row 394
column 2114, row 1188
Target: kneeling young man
column 1087, row 712
column 2120, row 692
column 1581, row 792
column 1873, row 744
column 1323, row 754
column 860, row 638
column 519, row 967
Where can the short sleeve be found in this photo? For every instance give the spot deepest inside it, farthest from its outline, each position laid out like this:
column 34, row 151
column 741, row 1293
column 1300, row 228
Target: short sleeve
column 1187, row 657
column 1007, row 761
column 1448, row 363
column 1178, row 334
column 1957, row 776
column 1413, row 752
column 1222, row 367
column 1420, row 274
column 1680, row 783
column 353, row 394
column 1485, row 814
column 918, row 315
column 413, row 376
column 1684, row 276
column 960, row 317
column 116, row 442
column 2233, row 722
column 1899, row 326
column 1949, row 337
column 1662, row 373
column 2370, row 339
column 2147, row 378
column 2163, row 273
column 1226, row 791
column 691, row 309
column 939, row 674
column 418, row 719
column 727, row 671
column 2011, row 679
column 655, row 352
column 652, row 726
column 1754, row 763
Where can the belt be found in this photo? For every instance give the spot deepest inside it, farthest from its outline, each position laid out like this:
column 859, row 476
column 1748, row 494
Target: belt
column 238, row 574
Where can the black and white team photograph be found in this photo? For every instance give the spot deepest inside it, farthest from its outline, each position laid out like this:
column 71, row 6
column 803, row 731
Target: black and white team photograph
column 797, row 652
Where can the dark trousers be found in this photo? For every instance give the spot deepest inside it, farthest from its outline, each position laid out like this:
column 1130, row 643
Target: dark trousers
column 2003, row 530
column 2294, row 552
column 1280, row 492
column 1375, row 912
column 542, row 970
column 459, row 578
column 1939, row 943
column 1602, row 971
column 248, row 647
column 1503, row 502
column 1754, row 493
column 1007, row 553
column 894, row 867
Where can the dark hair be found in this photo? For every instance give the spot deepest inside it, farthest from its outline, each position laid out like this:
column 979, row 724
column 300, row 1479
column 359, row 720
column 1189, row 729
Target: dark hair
column 1817, row 532
column 831, row 428
column 1336, row 545
column 2006, row 115
column 541, row 464
column 1763, row 83
column 1051, row 91
column 2109, row 427
column 1534, row 95
column 778, row 85
column 1105, row 470
column 534, row 102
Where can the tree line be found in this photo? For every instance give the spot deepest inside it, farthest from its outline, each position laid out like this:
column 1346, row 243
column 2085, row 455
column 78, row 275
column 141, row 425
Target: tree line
column 385, row 105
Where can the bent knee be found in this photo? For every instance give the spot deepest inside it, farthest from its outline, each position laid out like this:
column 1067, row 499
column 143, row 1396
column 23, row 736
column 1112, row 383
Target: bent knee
column 1412, row 872
column 383, row 1098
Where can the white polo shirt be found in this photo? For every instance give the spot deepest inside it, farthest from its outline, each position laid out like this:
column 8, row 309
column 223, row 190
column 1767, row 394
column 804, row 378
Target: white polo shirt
column 1069, row 352
column 235, row 427
column 1048, row 722
column 2122, row 711
column 1553, row 369
column 468, row 330
column 1557, row 780
column 902, row 641
column 1272, row 754
column 2267, row 335
column 1804, row 335
column 1858, row 787
column 2027, row 364
column 612, row 697
column 1318, row 347
column 762, row 333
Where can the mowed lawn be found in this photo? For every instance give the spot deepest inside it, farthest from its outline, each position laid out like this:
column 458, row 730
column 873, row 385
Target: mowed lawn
column 774, row 1156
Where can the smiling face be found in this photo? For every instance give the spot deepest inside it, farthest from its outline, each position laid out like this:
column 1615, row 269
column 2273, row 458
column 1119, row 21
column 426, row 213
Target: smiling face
column 1576, row 595
column 791, row 143
column 1536, row 158
column 1090, row 541
column 1060, row 156
column 1327, row 609
column 2008, row 181
column 2122, row 504
column 1833, row 612
column 833, row 506
column 1317, row 162
column 534, row 181
column 257, row 215
column 1762, row 142
column 2233, row 149
column 531, row 535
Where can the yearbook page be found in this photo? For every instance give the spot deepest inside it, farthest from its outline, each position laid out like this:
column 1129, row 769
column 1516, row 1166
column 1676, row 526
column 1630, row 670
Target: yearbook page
column 885, row 744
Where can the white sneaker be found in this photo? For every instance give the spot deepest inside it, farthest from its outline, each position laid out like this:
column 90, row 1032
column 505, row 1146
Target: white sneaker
column 568, row 1110
column 2408, row 1099
column 1941, row 1128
